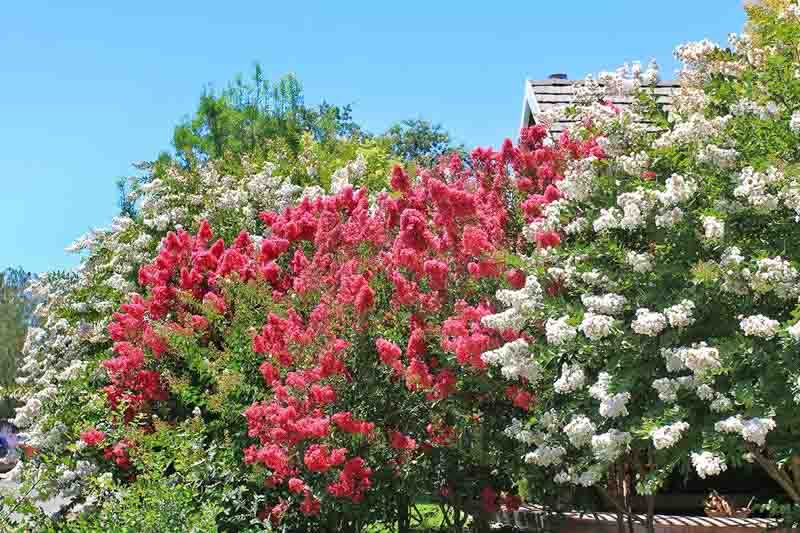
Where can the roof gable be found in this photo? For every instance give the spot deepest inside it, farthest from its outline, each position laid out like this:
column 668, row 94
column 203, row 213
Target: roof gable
column 543, row 95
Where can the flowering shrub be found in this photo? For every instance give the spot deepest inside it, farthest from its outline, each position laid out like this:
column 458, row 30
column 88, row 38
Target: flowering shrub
column 307, row 319
column 590, row 311
column 326, row 332
column 666, row 332
column 76, row 308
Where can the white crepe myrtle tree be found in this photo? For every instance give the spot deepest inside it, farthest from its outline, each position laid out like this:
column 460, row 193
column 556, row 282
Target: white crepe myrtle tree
column 664, row 327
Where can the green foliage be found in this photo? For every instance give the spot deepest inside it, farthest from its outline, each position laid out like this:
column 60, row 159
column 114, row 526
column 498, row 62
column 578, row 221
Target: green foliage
column 250, row 113
column 418, row 141
column 16, row 314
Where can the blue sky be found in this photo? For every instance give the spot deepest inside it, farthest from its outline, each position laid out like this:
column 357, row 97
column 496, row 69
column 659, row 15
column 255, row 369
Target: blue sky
column 89, row 88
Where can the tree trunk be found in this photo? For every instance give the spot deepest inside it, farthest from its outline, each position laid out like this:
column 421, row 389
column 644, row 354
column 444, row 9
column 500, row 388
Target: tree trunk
column 480, row 517
column 651, row 507
column 649, row 498
column 775, row 473
column 796, row 471
column 403, row 522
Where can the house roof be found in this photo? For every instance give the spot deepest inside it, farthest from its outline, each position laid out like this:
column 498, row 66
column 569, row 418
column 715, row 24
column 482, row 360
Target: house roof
column 542, row 95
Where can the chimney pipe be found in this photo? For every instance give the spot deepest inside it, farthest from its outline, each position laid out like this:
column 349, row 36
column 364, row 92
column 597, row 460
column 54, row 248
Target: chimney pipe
column 557, row 76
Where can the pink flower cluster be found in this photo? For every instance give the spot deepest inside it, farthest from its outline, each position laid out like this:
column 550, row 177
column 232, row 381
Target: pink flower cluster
column 420, row 253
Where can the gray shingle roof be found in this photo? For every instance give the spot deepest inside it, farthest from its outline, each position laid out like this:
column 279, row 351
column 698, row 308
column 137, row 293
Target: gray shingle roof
column 542, row 95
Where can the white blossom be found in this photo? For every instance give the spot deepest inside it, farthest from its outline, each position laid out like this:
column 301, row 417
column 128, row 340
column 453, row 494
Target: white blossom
column 667, row 389
column 546, row 455
column 614, row 406
column 610, row 445
column 596, row 326
column 754, row 187
column 794, row 331
column 700, row 358
column 608, row 219
column 649, row 322
column 721, row 404
column 607, row 304
column 759, row 326
column 669, row 435
column 579, row 431
column 708, row 464
column 680, row 315
column 794, row 122
column 640, row 262
column 572, row 378
column 515, row 361
column 752, row 430
column 713, row 228
column 559, row 331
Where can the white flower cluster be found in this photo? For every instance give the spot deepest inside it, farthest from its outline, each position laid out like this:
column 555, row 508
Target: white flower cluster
column 545, row 455
column 713, row 228
column 594, row 278
column 636, row 206
column 591, row 476
column 669, row 217
column 611, row 405
column 640, row 262
column 519, row 432
column 629, row 78
column 610, row 445
column 615, row 405
column 750, row 107
column 695, row 53
column 669, row 435
column 635, row 164
column 700, row 358
column 791, row 197
column 679, row 189
column 515, row 361
column 794, row 122
column 579, row 178
column 607, row 220
column 572, row 378
column 607, row 304
column 721, row 404
column 708, row 464
column 520, row 301
column 580, row 431
column 348, row 174
column 759, row 326
column 705, row 392
column 794, row 331
column 778, row 275
column 558, row 331
column 680, row 315
column 694, row 129
column 673, row 359
column 550, row 220
column 648, row 322
column 754, row 187
column 596, row 326
column 667, row 389
column 715, row 156
column 752, row 429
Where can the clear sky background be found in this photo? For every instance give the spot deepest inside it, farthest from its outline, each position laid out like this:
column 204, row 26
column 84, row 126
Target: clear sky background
column 87, row 88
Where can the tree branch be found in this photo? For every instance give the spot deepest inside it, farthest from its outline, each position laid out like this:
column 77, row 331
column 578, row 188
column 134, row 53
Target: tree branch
column 796, row 471
column 775, row 473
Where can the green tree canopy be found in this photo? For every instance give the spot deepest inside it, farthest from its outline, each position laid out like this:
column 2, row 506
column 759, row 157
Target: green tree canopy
column 241, row 118
column 417, row 140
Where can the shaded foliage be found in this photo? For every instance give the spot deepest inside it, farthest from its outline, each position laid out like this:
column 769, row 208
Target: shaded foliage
column 16, row 314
